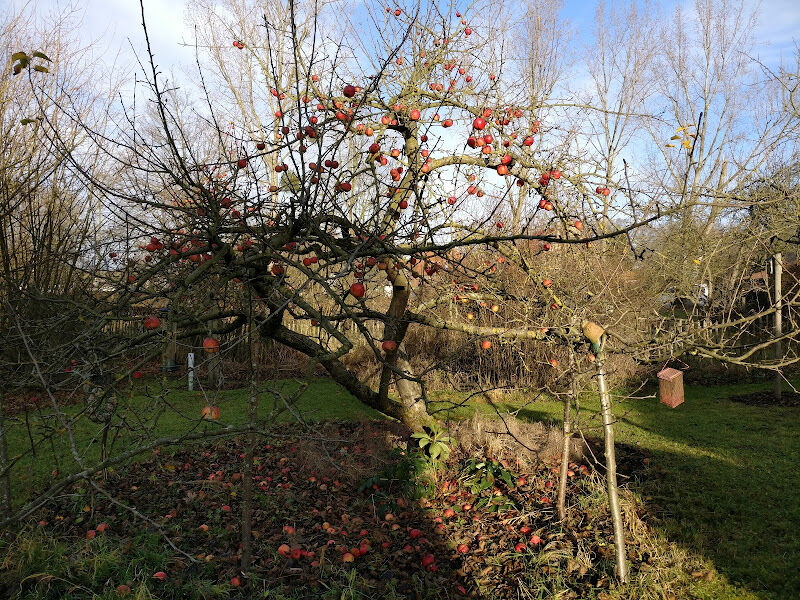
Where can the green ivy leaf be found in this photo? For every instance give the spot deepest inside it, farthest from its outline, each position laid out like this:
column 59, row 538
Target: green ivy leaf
column 41, row 69
column 42, row 55
column 18, row 56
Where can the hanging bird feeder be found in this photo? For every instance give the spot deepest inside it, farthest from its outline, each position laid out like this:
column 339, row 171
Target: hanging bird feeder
column 670, row 386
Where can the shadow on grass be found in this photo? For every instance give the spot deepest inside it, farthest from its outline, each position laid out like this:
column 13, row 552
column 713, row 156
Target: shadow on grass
column 722, row 475
column 727, row 485
column 325, row 526
column 722, row 480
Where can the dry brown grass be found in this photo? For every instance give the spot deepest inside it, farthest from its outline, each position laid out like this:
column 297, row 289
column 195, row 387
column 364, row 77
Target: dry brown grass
column 512, row 440
column 350, row 453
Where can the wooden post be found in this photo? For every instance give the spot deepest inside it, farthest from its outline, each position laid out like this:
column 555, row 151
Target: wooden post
column 562, row 482
column 777, row 270
column 190, row 369
column 5, row 479
column 611, row 471
column 250, row 447
column 215, row 371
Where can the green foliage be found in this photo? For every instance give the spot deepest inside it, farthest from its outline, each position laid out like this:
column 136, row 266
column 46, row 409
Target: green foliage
column 407, row 475
column 21, row 61
column 434, row 442
column 37, row 566
column 292, row 181
column 482, row 477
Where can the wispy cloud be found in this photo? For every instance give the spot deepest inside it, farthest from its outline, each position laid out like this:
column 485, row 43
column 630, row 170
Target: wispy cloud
column 778, row 31
column 115, row 22
column 116, row 25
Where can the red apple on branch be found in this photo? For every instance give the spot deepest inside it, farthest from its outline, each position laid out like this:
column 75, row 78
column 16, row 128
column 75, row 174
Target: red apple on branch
column 358, row 290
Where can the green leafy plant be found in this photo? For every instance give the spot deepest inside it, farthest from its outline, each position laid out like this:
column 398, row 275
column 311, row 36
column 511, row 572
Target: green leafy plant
column 434, row 442
column 482, row 477
column 406, row 475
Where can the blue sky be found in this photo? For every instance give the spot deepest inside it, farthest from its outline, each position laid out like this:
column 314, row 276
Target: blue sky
column 114, row 21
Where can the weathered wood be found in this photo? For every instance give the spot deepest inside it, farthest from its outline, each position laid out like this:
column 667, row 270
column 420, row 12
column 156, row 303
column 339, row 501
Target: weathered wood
column 611, row 471
column 777, row 270
column 670, row 387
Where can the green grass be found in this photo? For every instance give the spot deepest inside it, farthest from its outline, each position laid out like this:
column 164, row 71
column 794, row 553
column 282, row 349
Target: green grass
column 75, row 569
column 155, row 411
column 723, row 475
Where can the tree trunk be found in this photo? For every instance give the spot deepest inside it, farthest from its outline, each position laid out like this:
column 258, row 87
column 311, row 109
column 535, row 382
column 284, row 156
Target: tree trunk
column 5, row 480
column 248, row 470
column 562, row 483
column 611, row 471
column 412, row 413
column 410, row 391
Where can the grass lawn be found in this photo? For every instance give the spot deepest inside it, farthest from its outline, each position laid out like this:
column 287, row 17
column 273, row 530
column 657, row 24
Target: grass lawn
column 723, row 475
column 165, row 412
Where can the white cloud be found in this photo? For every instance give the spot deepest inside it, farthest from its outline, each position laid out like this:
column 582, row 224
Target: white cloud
column 778, row 30
column 115, row 22
column 116, row 25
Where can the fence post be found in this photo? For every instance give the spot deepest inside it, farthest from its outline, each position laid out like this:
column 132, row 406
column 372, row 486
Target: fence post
column 190, row 369
column 777, row 269
column 611, row 470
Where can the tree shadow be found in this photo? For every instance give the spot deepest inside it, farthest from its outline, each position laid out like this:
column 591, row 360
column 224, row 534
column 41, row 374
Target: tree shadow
column 727, row 486
column 339, row 508
column 720, row 480
column 710, row 481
